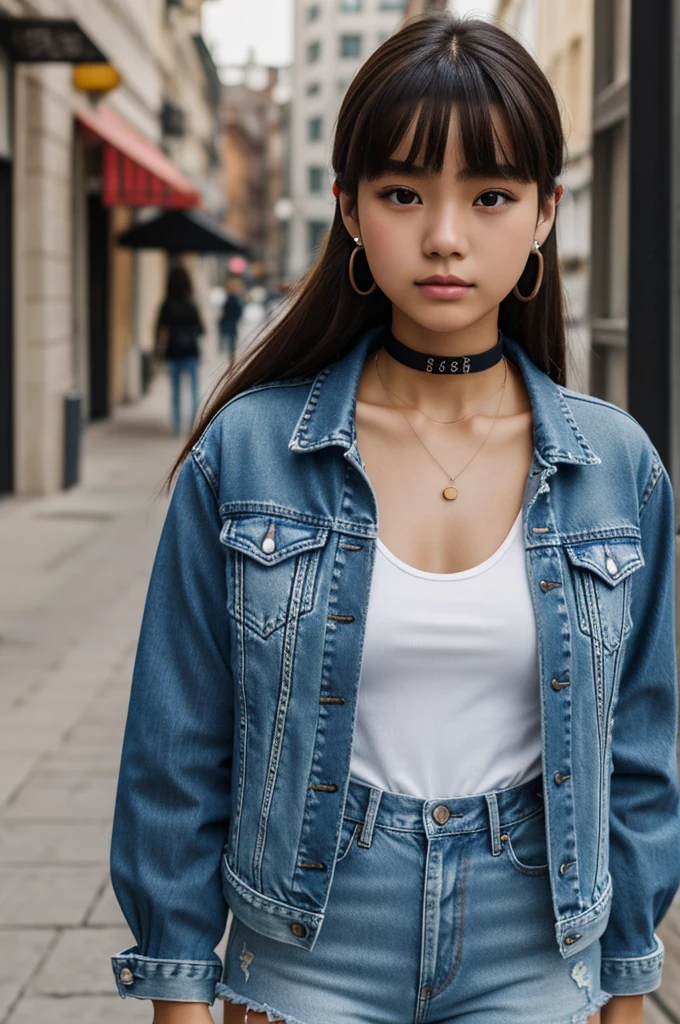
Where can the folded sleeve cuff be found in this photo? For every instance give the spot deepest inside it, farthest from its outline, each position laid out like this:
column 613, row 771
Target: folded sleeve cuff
column 183, row 981
column 635, row 975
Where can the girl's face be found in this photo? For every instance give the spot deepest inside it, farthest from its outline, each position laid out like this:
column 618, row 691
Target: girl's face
column 479, row 229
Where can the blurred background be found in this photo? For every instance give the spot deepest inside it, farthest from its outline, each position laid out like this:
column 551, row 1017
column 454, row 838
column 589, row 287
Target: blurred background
column 139, row 138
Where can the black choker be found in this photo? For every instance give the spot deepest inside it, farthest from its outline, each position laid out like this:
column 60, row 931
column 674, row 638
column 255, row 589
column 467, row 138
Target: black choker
column 443, row 364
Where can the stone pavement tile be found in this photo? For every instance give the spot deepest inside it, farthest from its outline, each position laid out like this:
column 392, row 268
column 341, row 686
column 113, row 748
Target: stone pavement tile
column 21, row 950
column 68, row 758
column 80, row 963
column 28, row 842
column 106, row 910
column 74, row 796
column 48, row 896
column 82, row 1010
column 14, row 768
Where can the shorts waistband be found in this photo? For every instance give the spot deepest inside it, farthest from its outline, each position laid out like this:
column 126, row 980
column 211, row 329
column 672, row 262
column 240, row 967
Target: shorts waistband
column 372, row 806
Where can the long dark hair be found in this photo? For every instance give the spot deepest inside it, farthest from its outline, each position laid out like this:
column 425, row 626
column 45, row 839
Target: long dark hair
column 179, row 284
column 432, row 62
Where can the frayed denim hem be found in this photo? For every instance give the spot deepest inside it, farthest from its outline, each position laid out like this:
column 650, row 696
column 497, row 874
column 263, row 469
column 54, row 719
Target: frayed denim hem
column 596, row 1004
column 223, row 991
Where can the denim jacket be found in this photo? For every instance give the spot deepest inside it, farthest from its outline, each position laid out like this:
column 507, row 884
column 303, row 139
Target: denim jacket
column 236, row 754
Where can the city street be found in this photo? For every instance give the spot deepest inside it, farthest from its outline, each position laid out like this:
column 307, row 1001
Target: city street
column 75, row 571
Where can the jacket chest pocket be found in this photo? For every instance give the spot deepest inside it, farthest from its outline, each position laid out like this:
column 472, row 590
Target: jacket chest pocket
column 601, row 572
column 272, row 564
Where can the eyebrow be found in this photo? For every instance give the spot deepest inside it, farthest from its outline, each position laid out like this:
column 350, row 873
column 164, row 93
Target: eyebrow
column 465, row 174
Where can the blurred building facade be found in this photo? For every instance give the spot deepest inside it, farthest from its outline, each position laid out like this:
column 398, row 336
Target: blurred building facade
column 255, row 113
column 78, row 311
column 332, row 38
column 559, row 35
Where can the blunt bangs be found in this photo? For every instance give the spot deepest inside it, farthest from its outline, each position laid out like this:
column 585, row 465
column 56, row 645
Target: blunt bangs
column 491, row 104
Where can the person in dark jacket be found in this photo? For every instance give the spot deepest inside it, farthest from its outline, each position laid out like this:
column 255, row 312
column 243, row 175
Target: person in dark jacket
column 178, row 329
column 232, row 311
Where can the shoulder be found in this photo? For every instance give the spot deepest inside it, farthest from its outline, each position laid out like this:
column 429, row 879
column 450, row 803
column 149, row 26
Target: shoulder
column 263, row 415
column 619, row 440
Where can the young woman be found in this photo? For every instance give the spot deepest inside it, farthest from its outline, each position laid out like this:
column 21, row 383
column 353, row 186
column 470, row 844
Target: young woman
column 405, row 693
column 178, row 329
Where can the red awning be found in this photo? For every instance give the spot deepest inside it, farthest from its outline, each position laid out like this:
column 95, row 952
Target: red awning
column 136, row 171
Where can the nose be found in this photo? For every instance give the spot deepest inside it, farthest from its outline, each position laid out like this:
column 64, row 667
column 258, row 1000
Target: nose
column 446, row 234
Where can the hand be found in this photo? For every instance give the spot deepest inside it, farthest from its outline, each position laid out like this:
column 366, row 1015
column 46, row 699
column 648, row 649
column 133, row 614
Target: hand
column 167, row 1012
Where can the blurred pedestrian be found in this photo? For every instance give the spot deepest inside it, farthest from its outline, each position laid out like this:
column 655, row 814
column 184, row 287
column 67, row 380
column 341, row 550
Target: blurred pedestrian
column 231, row 314
column 178, row 328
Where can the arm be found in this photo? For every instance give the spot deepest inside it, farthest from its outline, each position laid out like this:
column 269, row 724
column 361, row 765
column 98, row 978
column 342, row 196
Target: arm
column 644, row 856
column 173, row 798
column 623, row 1010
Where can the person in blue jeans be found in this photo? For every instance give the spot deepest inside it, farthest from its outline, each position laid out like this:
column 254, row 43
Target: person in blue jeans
column 405, row 700
column 178, row 328
column 232, row 311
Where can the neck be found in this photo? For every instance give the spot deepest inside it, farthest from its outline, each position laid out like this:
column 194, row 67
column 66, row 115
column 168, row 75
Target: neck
column 448, row 395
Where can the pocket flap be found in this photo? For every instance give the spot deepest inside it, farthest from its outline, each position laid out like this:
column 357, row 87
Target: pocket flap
column 612, row 559
column 269, row 539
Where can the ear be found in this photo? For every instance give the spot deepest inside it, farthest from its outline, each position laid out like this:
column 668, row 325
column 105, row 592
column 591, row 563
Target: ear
column 348, row 212
column 547, row 216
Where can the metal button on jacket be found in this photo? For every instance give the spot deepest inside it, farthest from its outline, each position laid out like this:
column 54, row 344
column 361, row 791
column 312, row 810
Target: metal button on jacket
column 441, row 814
column 126, row 976
column 268, row 545
column 612, row 567
column 298, row 929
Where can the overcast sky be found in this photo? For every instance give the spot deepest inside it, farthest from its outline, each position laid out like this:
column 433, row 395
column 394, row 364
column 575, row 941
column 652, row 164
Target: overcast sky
column 232, row 26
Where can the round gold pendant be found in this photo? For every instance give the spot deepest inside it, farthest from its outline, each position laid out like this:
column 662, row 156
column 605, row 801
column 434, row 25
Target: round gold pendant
column 450, row 493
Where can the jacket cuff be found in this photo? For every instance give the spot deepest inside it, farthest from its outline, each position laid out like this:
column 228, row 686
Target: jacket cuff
column 633, row 975
column 183, row 981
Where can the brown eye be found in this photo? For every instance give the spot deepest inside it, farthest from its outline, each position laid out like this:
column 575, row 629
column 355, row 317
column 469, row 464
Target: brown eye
column 405, row 195
column 493, row 195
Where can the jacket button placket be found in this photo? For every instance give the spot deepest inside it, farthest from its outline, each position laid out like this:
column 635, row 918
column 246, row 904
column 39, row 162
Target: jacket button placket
column 555, row 657
column 348, row 596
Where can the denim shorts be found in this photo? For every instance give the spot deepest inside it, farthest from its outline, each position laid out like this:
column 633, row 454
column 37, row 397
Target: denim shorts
column 439, row 911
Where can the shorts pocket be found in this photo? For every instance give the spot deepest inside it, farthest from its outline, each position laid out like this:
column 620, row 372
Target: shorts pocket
column 525, row 845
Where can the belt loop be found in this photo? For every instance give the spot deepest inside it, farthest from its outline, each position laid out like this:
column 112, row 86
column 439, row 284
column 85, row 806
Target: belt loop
column 366, row 834
column 494, row 827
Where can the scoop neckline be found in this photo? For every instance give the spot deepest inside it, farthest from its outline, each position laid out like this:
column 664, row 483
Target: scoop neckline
column 463, row 573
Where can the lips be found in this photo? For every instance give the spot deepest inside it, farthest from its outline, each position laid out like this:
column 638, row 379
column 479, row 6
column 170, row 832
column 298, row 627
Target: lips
column 441, row 279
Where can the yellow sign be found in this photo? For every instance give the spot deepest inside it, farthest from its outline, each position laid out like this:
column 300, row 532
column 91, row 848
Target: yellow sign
column 95, row 78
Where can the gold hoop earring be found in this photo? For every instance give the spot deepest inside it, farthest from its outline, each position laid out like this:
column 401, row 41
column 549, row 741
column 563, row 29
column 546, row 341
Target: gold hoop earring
column 536, row 251
column 351, row 270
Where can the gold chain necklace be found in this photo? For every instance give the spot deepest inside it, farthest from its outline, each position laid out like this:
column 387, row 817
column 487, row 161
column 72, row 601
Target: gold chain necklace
column 450, row 492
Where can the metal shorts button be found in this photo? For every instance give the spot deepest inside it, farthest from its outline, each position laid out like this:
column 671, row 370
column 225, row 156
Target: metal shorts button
column 126, row 976
column 441, row 814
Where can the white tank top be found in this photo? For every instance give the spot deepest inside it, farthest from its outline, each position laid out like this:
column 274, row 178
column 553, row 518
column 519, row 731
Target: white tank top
column 449, row 694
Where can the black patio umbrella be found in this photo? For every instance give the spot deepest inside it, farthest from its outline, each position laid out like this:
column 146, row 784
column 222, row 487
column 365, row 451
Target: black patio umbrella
column 182, row 231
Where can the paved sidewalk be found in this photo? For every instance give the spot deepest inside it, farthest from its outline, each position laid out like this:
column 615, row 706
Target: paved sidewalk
column 75, row 569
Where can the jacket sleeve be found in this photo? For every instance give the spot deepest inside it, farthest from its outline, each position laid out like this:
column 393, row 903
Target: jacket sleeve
column 644, row 820
column 173, row 798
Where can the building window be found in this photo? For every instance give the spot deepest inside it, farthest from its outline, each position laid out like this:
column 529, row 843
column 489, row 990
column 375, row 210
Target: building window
column 315, row 179
column 350, row 46
column 313, row 51
column 314, row 129
column 316, row 229
column 392, row 5
column 313, row 88
column 313, row 12
column 351, row 5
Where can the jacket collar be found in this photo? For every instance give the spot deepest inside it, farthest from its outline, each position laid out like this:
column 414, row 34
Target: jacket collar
column 328, row 416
